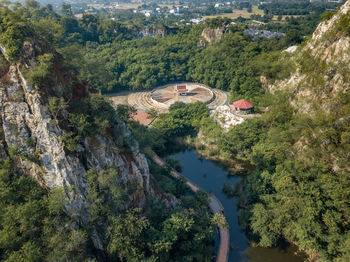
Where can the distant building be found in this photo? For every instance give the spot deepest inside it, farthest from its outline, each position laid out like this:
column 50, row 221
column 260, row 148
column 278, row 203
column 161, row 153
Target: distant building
column 147, row 13
column 181, row 89
column 262, row 33
column 197, row 20
column 243, row 106
column 217, row 5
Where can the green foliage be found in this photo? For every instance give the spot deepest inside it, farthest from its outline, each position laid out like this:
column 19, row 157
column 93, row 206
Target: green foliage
column 229, row 190
column 80, row 123
column 106, row 197
column 13, row 30
column 147, row 137
column 126, row 236
column 31, row 4
column 172, row 163
column 327, row 15
column 343, row 25
column 38, row 74
column 31, row 221
column 240, row 139
column 94, row 114
column 296, row 194
column 70, row 141
column 4, row 64
column 125, row 112
column 50, row 30
column 56, row 106
column 182, row 119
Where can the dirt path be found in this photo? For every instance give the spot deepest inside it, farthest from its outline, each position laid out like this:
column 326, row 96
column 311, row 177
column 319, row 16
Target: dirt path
column 221, row 98
column 214, row 205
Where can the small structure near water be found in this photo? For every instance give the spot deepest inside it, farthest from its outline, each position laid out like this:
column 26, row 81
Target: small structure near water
column 243, row 106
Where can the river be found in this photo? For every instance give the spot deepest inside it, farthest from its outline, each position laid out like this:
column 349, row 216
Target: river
column 211, row 178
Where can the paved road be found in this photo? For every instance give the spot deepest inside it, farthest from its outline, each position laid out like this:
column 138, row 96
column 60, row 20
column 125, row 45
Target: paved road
column 214, row 205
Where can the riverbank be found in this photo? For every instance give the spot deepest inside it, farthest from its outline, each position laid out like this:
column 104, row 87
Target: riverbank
column 211, row 177
column 214, row 204
column 208, row 150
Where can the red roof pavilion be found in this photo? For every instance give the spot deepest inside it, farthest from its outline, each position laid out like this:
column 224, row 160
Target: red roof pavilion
column 181, row 88
column 243, row 104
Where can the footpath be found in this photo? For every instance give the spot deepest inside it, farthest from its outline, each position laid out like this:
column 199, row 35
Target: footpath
column 214, row 205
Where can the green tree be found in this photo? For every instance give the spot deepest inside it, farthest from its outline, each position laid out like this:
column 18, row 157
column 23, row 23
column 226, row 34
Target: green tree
column 56, row 106
column 38, row 74
column 29, row 4
column 126, row 235
column 66, row 10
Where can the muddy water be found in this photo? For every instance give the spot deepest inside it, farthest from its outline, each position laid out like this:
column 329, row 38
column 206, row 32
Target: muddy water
column 211, row 178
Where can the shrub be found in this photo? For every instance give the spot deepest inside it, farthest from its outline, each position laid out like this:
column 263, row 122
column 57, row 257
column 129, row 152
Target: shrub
column 39, row 73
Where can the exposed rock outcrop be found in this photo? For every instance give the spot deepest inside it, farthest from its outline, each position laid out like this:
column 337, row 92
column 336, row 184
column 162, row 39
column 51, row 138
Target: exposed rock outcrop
column 322, row 66
column 319, row 87
column 213, row 34
column 225, row 117
column 30, row 131
column 152, row 31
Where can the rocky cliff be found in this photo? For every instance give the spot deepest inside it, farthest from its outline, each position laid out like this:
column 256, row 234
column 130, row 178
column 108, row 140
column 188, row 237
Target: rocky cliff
column 33, row 138
column 212, row 34
column 322, row 66
column 152, row 31
column 320, row 85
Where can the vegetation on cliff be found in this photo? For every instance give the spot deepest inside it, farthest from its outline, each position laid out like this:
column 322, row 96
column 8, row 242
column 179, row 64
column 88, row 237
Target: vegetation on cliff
column 298, row 192
column 40, row 223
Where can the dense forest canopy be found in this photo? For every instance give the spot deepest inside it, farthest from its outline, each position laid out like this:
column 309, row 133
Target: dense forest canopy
column 111, row 56
column 293, row 195
column 34, row 222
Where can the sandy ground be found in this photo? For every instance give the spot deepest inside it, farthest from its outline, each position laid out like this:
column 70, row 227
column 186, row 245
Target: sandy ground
column 142, row 100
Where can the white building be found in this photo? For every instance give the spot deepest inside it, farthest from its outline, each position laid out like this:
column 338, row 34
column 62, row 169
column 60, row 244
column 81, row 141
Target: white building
column 217, row 5
column 147, row 13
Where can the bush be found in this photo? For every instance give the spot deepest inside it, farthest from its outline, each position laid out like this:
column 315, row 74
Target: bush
column 38, row 74
column 13, row 30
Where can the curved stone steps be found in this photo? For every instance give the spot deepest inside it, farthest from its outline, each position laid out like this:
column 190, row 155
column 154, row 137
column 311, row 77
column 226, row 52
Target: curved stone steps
column 220, row 98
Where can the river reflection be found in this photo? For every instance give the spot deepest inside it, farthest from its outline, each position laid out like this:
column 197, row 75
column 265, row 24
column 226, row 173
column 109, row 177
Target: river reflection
column 211, row 178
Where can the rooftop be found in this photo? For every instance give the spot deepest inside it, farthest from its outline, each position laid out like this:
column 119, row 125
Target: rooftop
column 243, row 104
column 182, row 88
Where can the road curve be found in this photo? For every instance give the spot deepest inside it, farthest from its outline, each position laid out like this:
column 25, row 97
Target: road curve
column 214, row 205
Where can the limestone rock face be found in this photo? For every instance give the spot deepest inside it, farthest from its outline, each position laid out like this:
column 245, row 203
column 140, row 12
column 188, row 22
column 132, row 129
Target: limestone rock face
column 322, row 66
column 212, row 34
column 151, row 31
column 225, row 117
column 29, row 130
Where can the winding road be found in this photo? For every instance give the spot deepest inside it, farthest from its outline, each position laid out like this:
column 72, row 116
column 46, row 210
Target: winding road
column 214, row 205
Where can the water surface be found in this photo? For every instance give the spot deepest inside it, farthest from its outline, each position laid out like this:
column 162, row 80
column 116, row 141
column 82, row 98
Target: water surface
column 211, row 178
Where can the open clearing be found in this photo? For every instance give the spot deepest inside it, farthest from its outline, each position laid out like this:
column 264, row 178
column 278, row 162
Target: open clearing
column 162, row 97
column 237, row 13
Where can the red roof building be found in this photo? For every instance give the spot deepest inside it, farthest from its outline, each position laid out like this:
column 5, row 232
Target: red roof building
column 181, row 88
column 243, row 105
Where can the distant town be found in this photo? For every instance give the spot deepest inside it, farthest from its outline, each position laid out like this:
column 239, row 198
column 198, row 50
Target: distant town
column 189, row 12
